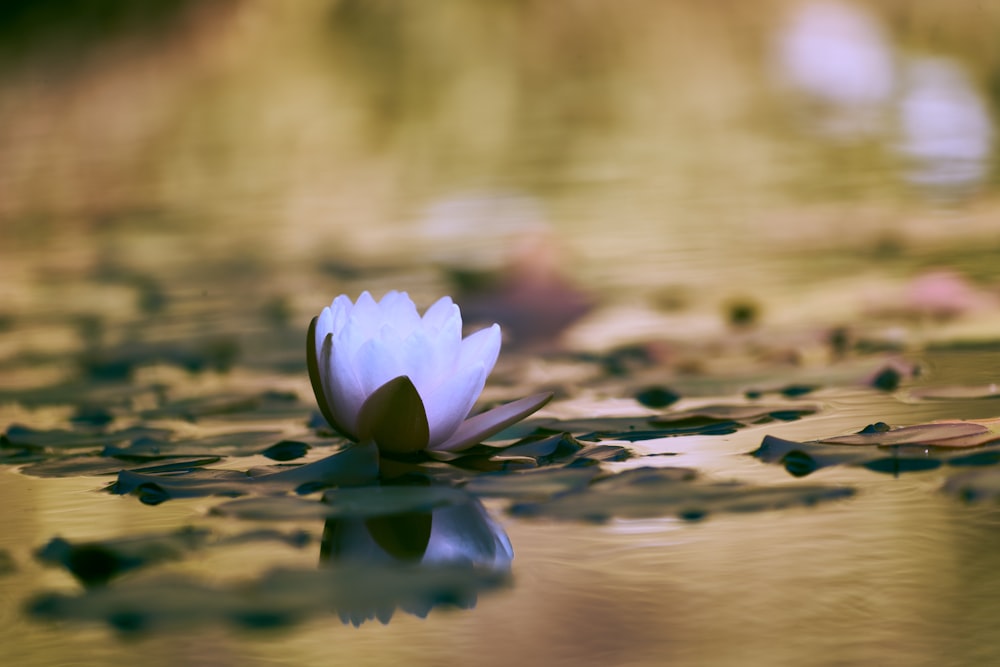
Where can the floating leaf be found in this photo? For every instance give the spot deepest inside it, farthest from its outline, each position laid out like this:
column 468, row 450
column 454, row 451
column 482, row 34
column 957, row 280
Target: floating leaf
column 657, row 397
column 913, row 448
column 237, row 443
column 957, row 434
column 76, row 466
column 270, row 405
column 705, row 420
column 286, row 450
column 18, row 436
column 352, row 465
column 803, row 458
column 546, row 450
column 653, row 492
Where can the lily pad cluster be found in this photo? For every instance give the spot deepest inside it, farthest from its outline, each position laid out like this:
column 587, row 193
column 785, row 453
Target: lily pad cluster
column 881, row 448
column 387, row 484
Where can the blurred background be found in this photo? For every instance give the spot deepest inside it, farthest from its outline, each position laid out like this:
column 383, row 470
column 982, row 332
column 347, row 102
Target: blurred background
column 654, row 191
column 797, row 161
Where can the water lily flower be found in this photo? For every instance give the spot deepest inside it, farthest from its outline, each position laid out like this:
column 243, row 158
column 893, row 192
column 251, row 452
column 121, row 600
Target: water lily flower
column 383, row 373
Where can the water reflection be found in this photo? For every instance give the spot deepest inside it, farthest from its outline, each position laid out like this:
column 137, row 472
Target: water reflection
column 454, row 538
column 946, row 132
column 839, row 59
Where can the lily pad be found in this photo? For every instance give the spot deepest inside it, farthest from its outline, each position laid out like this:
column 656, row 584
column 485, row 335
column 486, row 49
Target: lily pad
column 654, row 492
column 352, row 465
column 232, row 406
column 705, row 420
column 77, row 466
column 803, row 458
column 24, row 437
column 883, row 449
column 952, row 434
column 237, row 443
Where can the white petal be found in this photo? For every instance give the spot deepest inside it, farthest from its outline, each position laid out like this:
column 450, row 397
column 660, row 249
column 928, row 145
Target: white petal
column 324, row 327
column 476, row 429
column 450, row 403
column 341, row 383
column 439, row 313
column 423, row 358
column 447, row 342
column 482, row 347
column 376, row 363
column 340, row 310
column 399, row 311
column 365, row 317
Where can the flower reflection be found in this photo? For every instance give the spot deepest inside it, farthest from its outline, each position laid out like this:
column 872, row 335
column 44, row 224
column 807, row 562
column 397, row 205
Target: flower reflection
column 946, row 132
column 423, row 559
column 383, row 373
column 836, row 56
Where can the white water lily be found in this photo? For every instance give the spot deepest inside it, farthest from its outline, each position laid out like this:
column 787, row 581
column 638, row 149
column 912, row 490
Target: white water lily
column 381, row 372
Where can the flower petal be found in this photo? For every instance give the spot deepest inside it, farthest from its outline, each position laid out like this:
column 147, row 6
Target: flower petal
column 399, row 311
column 424, row 358
column 377, row 362
column 337, row 313
column 481, row 347
column 343, row 388
column 440, row 312
column 316, row 374
column 394, row 417
column 476, row 429
column 449, row 404
column 365, row 317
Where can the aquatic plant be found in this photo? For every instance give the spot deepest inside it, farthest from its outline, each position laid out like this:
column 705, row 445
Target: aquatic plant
column 381, row 372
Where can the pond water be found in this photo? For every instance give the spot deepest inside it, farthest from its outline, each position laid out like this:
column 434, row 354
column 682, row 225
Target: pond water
column 751, row 253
